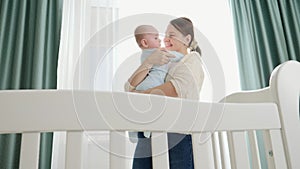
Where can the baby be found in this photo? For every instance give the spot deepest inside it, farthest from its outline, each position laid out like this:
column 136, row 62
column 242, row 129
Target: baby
column 147, row 38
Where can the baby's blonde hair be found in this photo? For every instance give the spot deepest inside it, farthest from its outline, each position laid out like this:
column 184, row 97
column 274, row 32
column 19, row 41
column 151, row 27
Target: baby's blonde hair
column 141, row 30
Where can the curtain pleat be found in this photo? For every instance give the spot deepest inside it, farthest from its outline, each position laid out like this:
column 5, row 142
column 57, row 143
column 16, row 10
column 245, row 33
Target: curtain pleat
column 10, row 151
column 267, row 34
column 29, row 43
column 290, row 14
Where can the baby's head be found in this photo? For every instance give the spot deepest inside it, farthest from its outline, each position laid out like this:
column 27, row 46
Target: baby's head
column 147, row 37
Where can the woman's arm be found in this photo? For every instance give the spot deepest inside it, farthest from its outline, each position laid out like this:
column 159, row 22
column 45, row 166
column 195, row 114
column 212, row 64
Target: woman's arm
column 166, row 89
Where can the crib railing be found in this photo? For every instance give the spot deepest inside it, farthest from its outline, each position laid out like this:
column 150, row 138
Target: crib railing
column 218, row 129
column 284, row 90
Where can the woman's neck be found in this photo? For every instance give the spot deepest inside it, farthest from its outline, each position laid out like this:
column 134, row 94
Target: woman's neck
column 183, row 51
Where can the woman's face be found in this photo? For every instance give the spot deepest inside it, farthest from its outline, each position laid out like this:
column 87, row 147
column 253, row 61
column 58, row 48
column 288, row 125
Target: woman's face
column 175, row 40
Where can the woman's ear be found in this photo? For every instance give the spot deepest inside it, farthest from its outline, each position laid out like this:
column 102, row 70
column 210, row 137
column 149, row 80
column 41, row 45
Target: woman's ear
column 144, row 43
column 188, row 39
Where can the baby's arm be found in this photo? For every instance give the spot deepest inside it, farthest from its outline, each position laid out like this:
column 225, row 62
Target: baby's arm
column 139, row 75
column 159, row 57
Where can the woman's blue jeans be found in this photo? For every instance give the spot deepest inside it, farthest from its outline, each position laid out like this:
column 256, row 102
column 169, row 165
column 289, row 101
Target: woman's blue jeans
column 180, row 152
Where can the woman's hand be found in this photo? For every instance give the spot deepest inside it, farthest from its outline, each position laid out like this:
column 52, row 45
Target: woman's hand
column 158, row 57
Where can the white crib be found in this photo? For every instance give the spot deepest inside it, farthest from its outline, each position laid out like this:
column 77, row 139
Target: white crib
column 217, row 128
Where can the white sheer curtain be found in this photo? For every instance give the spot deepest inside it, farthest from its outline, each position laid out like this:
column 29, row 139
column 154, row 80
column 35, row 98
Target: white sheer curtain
column 81, row 20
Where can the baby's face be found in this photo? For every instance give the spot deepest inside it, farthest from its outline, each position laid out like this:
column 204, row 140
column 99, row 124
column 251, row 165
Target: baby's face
column 153, row 40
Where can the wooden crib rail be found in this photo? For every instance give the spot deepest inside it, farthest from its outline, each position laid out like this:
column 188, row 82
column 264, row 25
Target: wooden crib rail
column 276, row 113
column 284, row 90
column 32, row 112
column 60, row 110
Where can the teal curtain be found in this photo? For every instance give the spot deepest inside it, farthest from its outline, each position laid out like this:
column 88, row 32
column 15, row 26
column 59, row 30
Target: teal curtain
column 29, row 43
column 267, row 33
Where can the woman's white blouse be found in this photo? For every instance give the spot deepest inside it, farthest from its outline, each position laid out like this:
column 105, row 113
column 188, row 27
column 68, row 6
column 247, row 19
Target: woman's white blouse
column 187, row 76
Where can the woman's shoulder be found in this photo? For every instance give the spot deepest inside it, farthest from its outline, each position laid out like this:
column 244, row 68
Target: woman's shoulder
column 192, row 56
column 195, row 54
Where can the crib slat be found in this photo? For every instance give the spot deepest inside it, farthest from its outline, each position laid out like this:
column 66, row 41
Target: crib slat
column 231, row 148
column 160, row 154
column 238, row 150
column 216, row 150
column 74, row 145
column 268, row 148
column 254, row 149
column 224, row 150
column 203, row 151
column 117, row 146
column 30, row 147
column 275, row 153
column 58, row 150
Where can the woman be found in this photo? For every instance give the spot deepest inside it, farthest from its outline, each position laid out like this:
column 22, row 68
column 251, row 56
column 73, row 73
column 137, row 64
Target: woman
column 184, row 80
